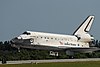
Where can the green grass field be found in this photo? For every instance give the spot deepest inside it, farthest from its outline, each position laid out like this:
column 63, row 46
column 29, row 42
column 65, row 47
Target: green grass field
column 63, row 64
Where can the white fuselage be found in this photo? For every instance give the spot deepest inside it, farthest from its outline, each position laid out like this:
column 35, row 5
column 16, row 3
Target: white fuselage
column 43, row 40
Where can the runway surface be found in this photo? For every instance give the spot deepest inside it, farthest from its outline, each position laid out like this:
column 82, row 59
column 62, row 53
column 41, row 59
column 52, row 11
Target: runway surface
column 53, row 60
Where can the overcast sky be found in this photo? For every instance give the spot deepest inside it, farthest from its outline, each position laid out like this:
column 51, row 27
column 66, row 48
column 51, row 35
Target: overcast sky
column 55, row 16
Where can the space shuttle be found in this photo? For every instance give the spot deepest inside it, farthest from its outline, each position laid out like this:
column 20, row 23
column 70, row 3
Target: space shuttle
column 79, row 41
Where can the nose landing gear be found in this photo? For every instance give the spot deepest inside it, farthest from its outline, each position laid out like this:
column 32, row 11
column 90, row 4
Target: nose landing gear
column 18, row 49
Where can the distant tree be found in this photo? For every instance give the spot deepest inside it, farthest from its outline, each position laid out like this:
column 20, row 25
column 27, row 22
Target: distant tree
column 99, row 44
column 1, row 43
column 6, row 43
column 80, row 55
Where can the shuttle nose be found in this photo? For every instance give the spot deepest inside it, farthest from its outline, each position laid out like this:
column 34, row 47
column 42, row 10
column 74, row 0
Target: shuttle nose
column 16, row 40
column 13, row 40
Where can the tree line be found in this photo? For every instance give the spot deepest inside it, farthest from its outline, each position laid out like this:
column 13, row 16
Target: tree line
column 11, row 53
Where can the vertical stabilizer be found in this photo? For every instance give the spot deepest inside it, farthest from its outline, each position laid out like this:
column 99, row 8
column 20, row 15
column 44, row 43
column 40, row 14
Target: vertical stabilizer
column 85, row 26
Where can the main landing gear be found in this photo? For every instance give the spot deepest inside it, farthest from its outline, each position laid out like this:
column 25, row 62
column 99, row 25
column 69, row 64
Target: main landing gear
column 53, row 53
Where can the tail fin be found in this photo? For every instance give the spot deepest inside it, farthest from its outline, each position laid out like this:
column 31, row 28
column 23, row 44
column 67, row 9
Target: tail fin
column 85, row 26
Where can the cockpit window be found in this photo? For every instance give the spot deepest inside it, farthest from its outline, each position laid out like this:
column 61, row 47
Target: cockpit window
column 27, row 33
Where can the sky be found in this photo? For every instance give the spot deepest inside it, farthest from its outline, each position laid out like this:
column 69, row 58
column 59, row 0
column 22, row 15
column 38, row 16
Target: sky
column 54, row 16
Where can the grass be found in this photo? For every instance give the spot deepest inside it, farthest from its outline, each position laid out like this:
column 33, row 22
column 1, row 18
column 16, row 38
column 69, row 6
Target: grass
column 62, row 64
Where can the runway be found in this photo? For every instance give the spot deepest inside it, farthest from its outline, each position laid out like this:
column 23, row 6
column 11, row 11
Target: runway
column 53, row 60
